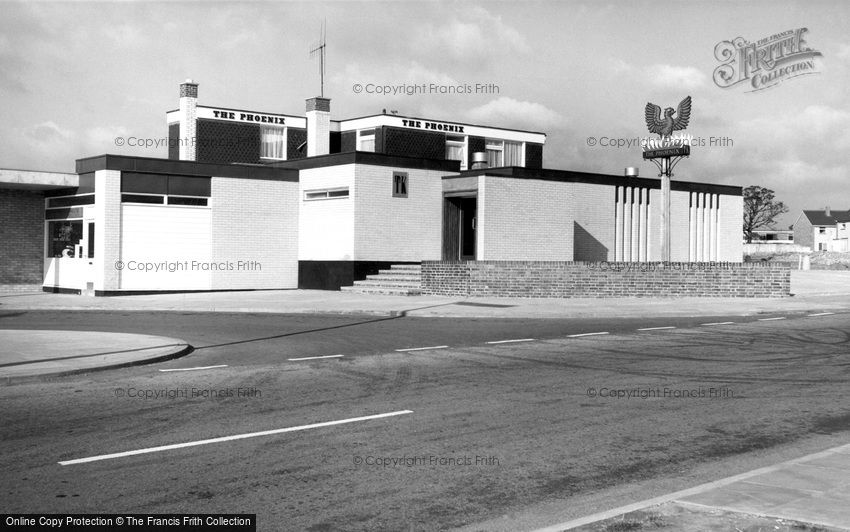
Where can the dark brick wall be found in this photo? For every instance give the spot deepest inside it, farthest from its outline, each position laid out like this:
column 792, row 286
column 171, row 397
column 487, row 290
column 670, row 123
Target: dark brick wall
column 227, row 142
column 294, row 138
column 533, row 155
column 409, row 143
column 347, row 141
column 604, row 279
column 174, row 141
column 21, row 236
column 475, row 144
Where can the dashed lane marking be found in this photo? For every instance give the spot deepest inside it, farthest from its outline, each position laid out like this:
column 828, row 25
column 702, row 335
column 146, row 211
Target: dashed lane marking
column 656, row 328
column 821, row 314
column 772, row 319
column 585, row 334
column 512, row 341
column 720, row 323
column 193, row 369
column 314, row 358
column 421, row 348
column 229, row 438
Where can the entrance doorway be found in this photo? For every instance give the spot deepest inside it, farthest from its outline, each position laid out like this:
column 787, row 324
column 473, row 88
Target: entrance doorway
column 459, row 226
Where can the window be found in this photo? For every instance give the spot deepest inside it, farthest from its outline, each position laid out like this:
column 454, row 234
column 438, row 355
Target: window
column 185, row 200
column 513, row 153
column 159, row 189
column 822, row 230
column 504, row 153
column 366, row 140
column 142, row 198
column 494, row 153
column 456, row 150
column 331, row 193
column 90, row 240
column 272, row 142
column 63, row 238
column 399, row 184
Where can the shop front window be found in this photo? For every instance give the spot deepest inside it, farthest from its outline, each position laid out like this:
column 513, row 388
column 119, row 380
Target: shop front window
column 64, row 237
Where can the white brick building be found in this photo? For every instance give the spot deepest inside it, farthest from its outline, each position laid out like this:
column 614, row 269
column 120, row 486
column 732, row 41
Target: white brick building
column 350, row 198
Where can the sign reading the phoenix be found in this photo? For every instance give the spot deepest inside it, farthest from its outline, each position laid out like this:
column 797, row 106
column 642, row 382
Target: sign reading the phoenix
column 667, row 145
column 766, row 62
column 680, row 151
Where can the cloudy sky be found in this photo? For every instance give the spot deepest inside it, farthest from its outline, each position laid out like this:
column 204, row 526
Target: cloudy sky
column 73, row 76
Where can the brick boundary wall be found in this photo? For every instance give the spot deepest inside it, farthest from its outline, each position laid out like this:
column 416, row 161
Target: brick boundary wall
column 537, row 279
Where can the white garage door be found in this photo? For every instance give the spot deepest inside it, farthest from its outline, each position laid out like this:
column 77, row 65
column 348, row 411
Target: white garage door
column 165, row 247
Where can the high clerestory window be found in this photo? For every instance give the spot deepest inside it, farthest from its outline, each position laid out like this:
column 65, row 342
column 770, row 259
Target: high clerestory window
column 162, row 189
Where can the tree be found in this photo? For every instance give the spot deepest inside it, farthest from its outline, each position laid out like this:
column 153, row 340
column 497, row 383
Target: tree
column 760, row 209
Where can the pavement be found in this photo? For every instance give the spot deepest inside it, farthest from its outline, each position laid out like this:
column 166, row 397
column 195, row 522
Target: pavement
column 31, row 355
column 813, row 489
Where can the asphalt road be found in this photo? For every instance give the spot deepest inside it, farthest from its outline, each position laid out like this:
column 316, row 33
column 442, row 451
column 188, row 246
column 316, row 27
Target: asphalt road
column 478, row 429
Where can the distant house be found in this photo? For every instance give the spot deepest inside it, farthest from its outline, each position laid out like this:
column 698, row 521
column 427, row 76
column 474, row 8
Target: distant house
column 774, row 236
column 826, row 230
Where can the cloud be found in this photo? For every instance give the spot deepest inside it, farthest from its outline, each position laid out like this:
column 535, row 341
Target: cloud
column 124, row 35
column 507, row 112
column 843, row 52
column 390, row 75
column 477, row 37
column 676, row 76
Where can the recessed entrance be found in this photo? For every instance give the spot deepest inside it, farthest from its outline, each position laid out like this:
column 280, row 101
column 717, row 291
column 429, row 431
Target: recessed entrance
column 459, row 220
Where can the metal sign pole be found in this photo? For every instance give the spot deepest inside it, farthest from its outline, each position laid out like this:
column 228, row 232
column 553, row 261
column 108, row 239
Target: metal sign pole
column 665, row 210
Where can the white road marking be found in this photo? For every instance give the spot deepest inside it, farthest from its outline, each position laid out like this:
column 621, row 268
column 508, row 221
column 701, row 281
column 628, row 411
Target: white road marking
column 193, row 369
column 229, row 438
column 721, row 323
column 314, row 358
column 585, row 334
column 512, row 341
column 421, row 348
column 656, row 328
column 822, row 314
column 771, row 319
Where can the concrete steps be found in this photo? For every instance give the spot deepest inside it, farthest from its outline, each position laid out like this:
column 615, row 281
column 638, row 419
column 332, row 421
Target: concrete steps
column 399, row 280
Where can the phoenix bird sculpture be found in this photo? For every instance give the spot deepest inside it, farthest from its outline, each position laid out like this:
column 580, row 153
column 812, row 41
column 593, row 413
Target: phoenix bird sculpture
column 667, row 125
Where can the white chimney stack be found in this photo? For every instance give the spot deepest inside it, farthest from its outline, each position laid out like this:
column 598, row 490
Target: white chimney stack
column 318, row 126
column 188, row 116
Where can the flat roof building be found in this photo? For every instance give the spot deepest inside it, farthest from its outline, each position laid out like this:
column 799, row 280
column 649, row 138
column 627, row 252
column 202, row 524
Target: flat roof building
column 249, row 200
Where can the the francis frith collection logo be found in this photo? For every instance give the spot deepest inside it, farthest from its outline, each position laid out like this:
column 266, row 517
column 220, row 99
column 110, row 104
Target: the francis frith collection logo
column 764, row 63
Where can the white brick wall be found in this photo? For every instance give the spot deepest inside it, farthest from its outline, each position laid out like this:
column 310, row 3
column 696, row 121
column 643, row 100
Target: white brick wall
column 731, row 221
column 255, row 222
column 594, row 216
column 107, row 229
column 388, row 228
column 326, row 227
column 525, row 219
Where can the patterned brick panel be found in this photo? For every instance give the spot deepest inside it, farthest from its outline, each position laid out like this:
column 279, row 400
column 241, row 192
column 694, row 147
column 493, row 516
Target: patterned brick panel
column 174, row 141
column 533, row 155
column 226, row 142
column 413, row 143
column 347, row 141
column 294, row 138
column 21, row 236
column 475, row 144
column 604, row 279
